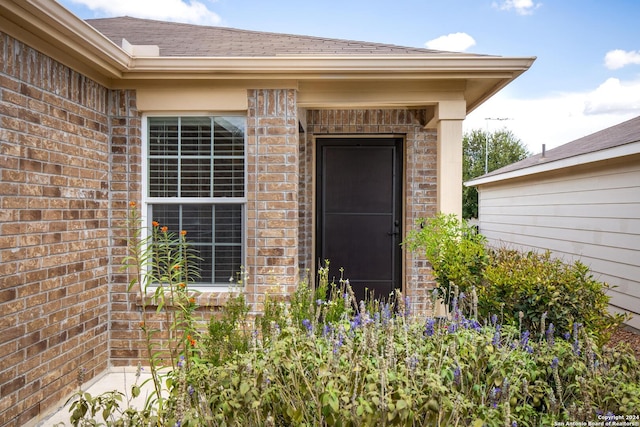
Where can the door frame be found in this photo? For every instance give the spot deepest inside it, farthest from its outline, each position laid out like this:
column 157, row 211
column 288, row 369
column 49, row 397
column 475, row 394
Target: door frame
column 318, row 141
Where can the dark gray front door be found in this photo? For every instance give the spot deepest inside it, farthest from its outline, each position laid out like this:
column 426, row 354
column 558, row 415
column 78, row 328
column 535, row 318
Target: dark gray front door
column 359, row 196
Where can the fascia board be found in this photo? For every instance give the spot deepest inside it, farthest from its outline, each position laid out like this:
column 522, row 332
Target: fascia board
column 597, row 156
column 463, row 65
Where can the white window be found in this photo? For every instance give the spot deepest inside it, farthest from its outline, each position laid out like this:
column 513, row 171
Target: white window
column 195, row 181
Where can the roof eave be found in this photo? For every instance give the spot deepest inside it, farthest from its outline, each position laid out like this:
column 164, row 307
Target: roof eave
column 352, row 64
column 51, row 28
column 597, row 156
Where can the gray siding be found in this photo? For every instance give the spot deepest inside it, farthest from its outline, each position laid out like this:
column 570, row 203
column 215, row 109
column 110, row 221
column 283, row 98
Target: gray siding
column 590, row 213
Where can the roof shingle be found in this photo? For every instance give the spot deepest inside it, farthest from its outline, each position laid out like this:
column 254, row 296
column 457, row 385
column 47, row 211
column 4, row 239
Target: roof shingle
column 187, row 40
column 621, row 134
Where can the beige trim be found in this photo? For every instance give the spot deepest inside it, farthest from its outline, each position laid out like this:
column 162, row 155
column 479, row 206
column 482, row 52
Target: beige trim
column 449, row 118
column 192, row 99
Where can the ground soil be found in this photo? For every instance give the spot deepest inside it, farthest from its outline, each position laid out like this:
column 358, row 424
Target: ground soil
column 629, row 336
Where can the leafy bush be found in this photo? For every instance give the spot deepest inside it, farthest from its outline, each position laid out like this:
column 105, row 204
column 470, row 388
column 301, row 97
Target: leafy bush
column 539, row 286
column 454, row 249
column 523, row 288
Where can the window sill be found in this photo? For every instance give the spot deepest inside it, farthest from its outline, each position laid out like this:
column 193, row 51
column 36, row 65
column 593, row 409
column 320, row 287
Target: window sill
column 206, row 297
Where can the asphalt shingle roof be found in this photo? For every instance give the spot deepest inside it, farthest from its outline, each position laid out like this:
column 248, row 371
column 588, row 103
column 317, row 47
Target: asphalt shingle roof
column 621, row 134
column 187, row 40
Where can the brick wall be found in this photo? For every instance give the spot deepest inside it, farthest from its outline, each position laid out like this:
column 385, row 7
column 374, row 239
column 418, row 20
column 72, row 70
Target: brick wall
column 420, row 186
column 126, row 338
column 272, row 193
column 54, row 230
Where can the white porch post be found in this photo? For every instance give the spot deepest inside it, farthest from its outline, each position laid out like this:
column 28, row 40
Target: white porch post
column 449, row 117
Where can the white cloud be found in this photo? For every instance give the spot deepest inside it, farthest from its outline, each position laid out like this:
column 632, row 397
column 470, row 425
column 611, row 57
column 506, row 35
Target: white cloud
column 559, row 118
column 190, row 11
column 522, row 7
column 613, row 97
column 455, row 42
column 618, row 58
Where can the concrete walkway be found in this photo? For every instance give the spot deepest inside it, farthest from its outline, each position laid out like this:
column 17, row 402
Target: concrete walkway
column 120, row 379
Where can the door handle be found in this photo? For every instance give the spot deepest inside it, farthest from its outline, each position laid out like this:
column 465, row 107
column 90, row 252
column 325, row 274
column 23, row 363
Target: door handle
column 396, row 229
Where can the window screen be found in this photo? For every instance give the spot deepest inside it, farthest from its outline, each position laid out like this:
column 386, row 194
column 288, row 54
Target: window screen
column 196, row 170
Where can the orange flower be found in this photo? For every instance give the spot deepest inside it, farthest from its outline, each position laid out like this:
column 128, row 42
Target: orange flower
column 192, row 300
column 164, row 229
column 155, row 223
column 182, row 285
column 176, row 267
column 193, row 343
column 142, row 324
column 183, row 233
column 189, row 337
column 132, row 204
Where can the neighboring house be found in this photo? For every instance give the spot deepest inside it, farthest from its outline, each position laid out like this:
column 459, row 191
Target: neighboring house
column 273, row 151
column 581, row 201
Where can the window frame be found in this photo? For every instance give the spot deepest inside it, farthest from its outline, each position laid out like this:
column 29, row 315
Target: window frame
column 147, row 201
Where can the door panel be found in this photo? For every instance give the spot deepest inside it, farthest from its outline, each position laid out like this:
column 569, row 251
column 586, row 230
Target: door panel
column 359, row 209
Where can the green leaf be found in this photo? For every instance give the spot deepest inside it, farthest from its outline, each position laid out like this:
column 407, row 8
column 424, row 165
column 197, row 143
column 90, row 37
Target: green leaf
column 244, row 388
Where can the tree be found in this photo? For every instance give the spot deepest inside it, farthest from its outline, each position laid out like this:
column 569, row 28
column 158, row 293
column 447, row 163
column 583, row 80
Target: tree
column 504, row 148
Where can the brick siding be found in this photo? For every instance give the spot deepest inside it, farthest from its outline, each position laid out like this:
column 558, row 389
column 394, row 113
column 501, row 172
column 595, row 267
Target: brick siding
column 272, row 193
column 54, row 228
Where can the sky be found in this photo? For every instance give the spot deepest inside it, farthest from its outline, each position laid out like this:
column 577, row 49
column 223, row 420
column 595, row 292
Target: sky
column 586, row 76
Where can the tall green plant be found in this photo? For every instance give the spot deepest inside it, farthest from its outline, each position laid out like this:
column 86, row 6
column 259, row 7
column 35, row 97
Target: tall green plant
column 454, row 249
column 162, row 264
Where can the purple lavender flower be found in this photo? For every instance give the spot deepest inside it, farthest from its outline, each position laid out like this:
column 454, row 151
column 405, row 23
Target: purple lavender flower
column 307, row 324
column 496, row 338
column 550, row 332
column 190, row 390
column 386, row 313
column 456, row 375
column 452, row 328
column 494, row 319
column 554, row 363
column 326, row 330
column 319, row 302
column 338, row 343
column 407, row 306
column 429, row 329
column 494, row 395
column 524, row 340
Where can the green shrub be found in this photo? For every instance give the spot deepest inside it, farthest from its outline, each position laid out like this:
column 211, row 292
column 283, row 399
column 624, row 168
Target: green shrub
column 454, row 249
column 381, row 366
column 525, row 287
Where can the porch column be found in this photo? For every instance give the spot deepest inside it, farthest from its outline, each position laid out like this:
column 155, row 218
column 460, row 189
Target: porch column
column 449, row 116
column 272, row 193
